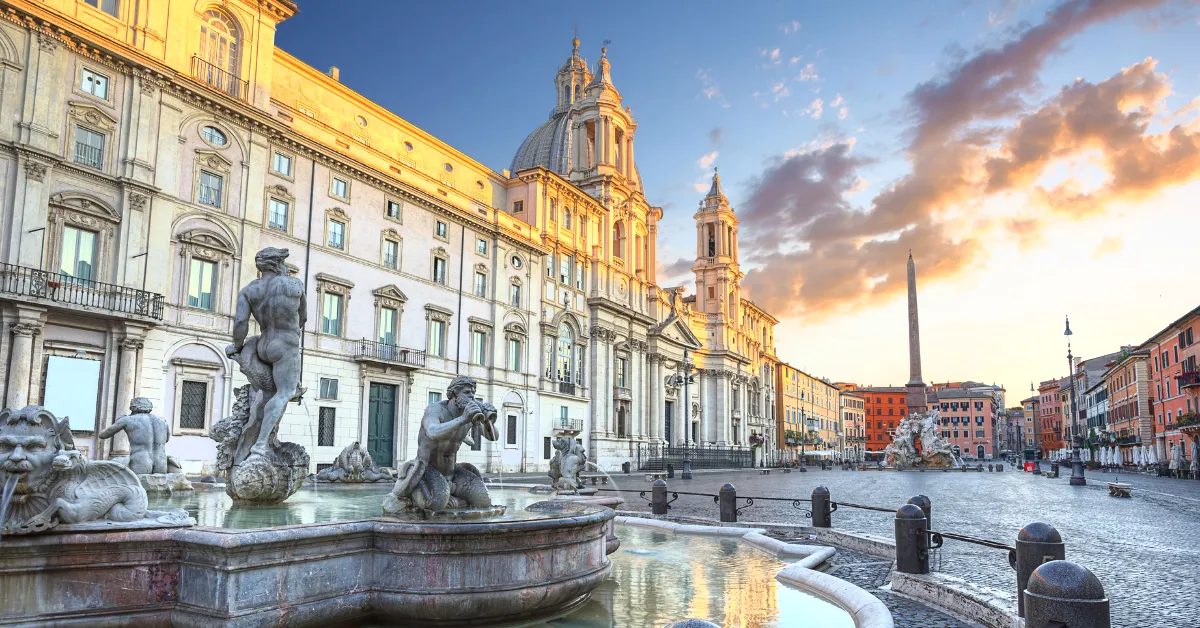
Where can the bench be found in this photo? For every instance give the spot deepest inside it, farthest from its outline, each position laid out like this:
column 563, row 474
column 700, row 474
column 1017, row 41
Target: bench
column 593, row 477
column 1119, row 489
column 656, row 475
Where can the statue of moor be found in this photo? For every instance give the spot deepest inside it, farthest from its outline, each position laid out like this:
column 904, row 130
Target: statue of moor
column 148, row 436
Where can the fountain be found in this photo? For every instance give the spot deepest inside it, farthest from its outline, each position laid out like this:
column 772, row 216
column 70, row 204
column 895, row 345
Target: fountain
column 353, row 466
column 918, row 443
column 148, row 435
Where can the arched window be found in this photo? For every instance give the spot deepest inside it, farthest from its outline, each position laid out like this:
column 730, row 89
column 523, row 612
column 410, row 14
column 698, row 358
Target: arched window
column 576, row 92
column 566, row 94
column 219, row 48
column 618, row 243
column 566, row 350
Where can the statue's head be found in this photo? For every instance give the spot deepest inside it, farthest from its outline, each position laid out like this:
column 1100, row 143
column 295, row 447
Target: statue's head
column 563, row 443
column 461, row 390
column 141, row 405
column 30, row 440
column 272, row 260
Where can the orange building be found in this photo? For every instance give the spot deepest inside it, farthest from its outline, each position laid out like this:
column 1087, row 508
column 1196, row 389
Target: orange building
column 1050, row 414
column 884, row 406
column 1174, row 380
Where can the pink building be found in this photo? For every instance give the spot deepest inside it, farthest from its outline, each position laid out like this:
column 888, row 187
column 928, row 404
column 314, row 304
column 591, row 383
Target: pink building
column 970, row 420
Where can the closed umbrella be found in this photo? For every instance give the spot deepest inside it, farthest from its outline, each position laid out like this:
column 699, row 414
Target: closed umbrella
column 1195, row 459
column 1103, row 457
column 1137, row 456
column 1153, row 455
column 1116, row 456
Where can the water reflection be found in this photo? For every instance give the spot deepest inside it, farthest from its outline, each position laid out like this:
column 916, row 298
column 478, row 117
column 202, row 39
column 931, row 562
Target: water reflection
column 659, row 578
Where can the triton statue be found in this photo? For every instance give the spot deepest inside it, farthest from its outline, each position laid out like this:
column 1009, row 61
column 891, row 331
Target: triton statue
column 148, row 435
column 354, row 464
column 435, row 481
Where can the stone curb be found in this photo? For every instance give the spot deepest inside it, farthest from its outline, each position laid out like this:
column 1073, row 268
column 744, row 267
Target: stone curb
column 790, row 550
column 866, row 609
column 686, row 529
column 972, row 602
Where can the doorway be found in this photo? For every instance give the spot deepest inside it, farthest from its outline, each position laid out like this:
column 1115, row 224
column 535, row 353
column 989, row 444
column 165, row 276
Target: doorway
column 669, row 419
column 381, row 424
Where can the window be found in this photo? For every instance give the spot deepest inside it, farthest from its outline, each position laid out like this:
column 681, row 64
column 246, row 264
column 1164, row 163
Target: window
column 564, row 269
column 545, row 447
column 579, row 276
column 566, row 219
column 94, row 84
column 339, row 188
column 325, row 425
column 618, row 240
column 331, row 314
column 328, row 388
column 393, row 209
column 391, row 254
column 218, row 53
column 552, row 212
column 437, row 338
column 514, row 354
column 387, row 326
column 214, row 136
column 515, row 261
column 193, row 405
column 447, row 167
column 566, row 349
column 209, row 192
column 439, row 270
column 518, row 207
column 514, row 295
column 481, row 246
column 282, row 164
column 78, row 254
column 478, row 347
column 108, row 6
column 549, row 264
column 622, row 364
column 277, row 215
column 510, row 437
column 202, row 284
column 440, row 230
column 89, row 148
column 480, row 284
column 337, row 234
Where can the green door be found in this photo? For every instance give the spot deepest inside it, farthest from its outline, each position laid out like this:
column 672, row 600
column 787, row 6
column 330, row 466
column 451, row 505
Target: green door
column 381, row 424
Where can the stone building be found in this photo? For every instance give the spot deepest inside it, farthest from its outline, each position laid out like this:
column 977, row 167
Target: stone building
column 971, row 421
column 853, row 425
column 1129, row 401
column 810, row 413
column 157, row 146
column 884, row 407
column 1175, row 380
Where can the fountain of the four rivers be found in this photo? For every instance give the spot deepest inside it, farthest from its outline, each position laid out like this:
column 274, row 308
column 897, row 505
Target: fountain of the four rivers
column 83, row 542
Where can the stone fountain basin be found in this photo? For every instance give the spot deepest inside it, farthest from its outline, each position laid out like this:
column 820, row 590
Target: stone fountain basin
column 421, row 573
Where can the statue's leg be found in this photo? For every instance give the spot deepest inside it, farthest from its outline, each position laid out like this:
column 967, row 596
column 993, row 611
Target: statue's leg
column 469, row 487
column 286, row 374
column 141, row 462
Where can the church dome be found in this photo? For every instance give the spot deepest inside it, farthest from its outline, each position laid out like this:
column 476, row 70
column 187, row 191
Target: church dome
column 547, row 146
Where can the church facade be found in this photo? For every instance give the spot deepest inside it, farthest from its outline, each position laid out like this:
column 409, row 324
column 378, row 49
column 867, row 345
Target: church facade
column 157, row 146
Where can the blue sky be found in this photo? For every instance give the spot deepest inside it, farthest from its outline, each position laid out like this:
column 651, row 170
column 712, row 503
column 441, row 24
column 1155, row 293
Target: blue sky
column 744, row 81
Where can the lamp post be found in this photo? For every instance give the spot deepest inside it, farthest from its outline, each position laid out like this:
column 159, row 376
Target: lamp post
column 1077, row 478
column 683, row 380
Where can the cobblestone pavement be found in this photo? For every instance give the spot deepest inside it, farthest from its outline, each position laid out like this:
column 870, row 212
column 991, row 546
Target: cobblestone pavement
column 1143, row 549
column 870, row 573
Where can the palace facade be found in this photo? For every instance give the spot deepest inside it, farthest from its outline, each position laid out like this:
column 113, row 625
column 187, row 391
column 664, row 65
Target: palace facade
column 156, row 146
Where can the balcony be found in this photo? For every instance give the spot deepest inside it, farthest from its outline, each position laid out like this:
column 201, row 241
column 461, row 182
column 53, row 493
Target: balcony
column 90, row 156
column 219, row 79
column 622, row 393
column 38, row 285
column 1188, row 379
column 1129, row 440
column 390, row 355
column 566, row 388
column 568, row 425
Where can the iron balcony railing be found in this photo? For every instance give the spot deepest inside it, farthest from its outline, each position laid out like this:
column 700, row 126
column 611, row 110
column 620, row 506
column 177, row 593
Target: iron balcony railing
column 89, row 156
column 383, row 352
column 1187, row 379
column 41, row 284
column 659, row 457
column 622, row 393
column 574, row 425
column 566, row 388
column 210, row 195
column 1128, row 440
column 220, row 79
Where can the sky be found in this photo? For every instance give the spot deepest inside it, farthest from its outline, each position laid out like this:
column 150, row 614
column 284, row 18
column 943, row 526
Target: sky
column 1039, row 159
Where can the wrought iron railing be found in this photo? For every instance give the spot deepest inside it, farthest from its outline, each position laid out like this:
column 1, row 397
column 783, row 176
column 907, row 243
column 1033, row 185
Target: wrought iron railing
column 41, row 284
column 209, row 195
column 1188, row 379
column 657, row 457
column 566, row 388
column 89, row 156
column 574, row 425
column 220, row 79
column 1129, row 440
column 383, row 352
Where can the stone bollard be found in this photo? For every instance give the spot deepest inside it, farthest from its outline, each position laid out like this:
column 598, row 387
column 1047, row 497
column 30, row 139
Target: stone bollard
column 728, row 500
column 1037, row 467
column 991, row 468
column 820, row 508
column 1053, row 469
column 671, row 471
column 687, row 469
column 1037, row 543
column 658, row 498
column 912, row 540
column 926, row 506
column 1062, row 593
column 999, row 468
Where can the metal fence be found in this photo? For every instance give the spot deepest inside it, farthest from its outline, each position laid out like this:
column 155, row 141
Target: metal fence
column 657, row 457
column 59, row 288
column 219, row 78
column 389, row 353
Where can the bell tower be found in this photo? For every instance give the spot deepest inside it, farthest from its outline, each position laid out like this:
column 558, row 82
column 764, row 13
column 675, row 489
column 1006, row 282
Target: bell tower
column 571, row 79
column 718, row 277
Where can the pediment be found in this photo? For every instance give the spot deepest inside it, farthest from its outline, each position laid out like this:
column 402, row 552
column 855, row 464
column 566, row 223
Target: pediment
column 390, row 291
column 207, row 240
column 85, row 203
column 212, row 159
column 675, row 330
column 92, row 115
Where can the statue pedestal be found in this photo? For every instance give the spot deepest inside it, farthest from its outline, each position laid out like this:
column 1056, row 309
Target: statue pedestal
column 164, row 483
column 260, row 480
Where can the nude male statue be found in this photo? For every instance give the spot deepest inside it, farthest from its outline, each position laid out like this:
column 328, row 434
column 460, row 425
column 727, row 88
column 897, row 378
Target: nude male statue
column 435, row 480
column 270, row 360
column 148, row 436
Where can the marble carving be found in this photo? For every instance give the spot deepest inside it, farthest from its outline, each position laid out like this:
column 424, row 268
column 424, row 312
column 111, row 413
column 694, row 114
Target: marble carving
column 148, row 435
column 259, row 468
column 354, row 464
column 47, row 483
column 569, row 459
column 918, row 442
column 435, row 484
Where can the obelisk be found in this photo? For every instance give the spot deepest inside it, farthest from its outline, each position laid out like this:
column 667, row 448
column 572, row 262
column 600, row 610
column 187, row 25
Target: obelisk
column 915, row 389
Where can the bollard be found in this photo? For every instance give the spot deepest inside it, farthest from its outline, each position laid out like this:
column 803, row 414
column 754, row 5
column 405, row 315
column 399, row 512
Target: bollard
column 1053, row 469
column 671, row 471
column 658, row 498
column 625, row 466
column 820, row 508
column 727, row 497
column 687, row 469
column 1037, row 467
column 999, row 468
column 926, row 506
column 1037, row 543
column 991, row 468
column 912, row 540
column 1062, row 593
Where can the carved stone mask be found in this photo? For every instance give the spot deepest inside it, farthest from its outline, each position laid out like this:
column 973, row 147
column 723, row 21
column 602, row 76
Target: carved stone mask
column 28, row 449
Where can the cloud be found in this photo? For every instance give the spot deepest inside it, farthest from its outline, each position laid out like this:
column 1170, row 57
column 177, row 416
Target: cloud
column 790, row 28
column 815, row 109
column 709, row 88
column 808, row 73
column 676, row 270
column 706, row 161
column 839, row 103
column 780, row 91
column 771, row 55
column 816, row 255
column 1107, row 246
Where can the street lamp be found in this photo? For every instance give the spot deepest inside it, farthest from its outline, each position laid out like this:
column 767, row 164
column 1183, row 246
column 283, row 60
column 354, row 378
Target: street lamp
column 684, row 380
column 1077, row 478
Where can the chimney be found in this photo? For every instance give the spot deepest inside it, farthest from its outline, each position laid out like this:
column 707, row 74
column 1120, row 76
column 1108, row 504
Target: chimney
column 334, row 73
